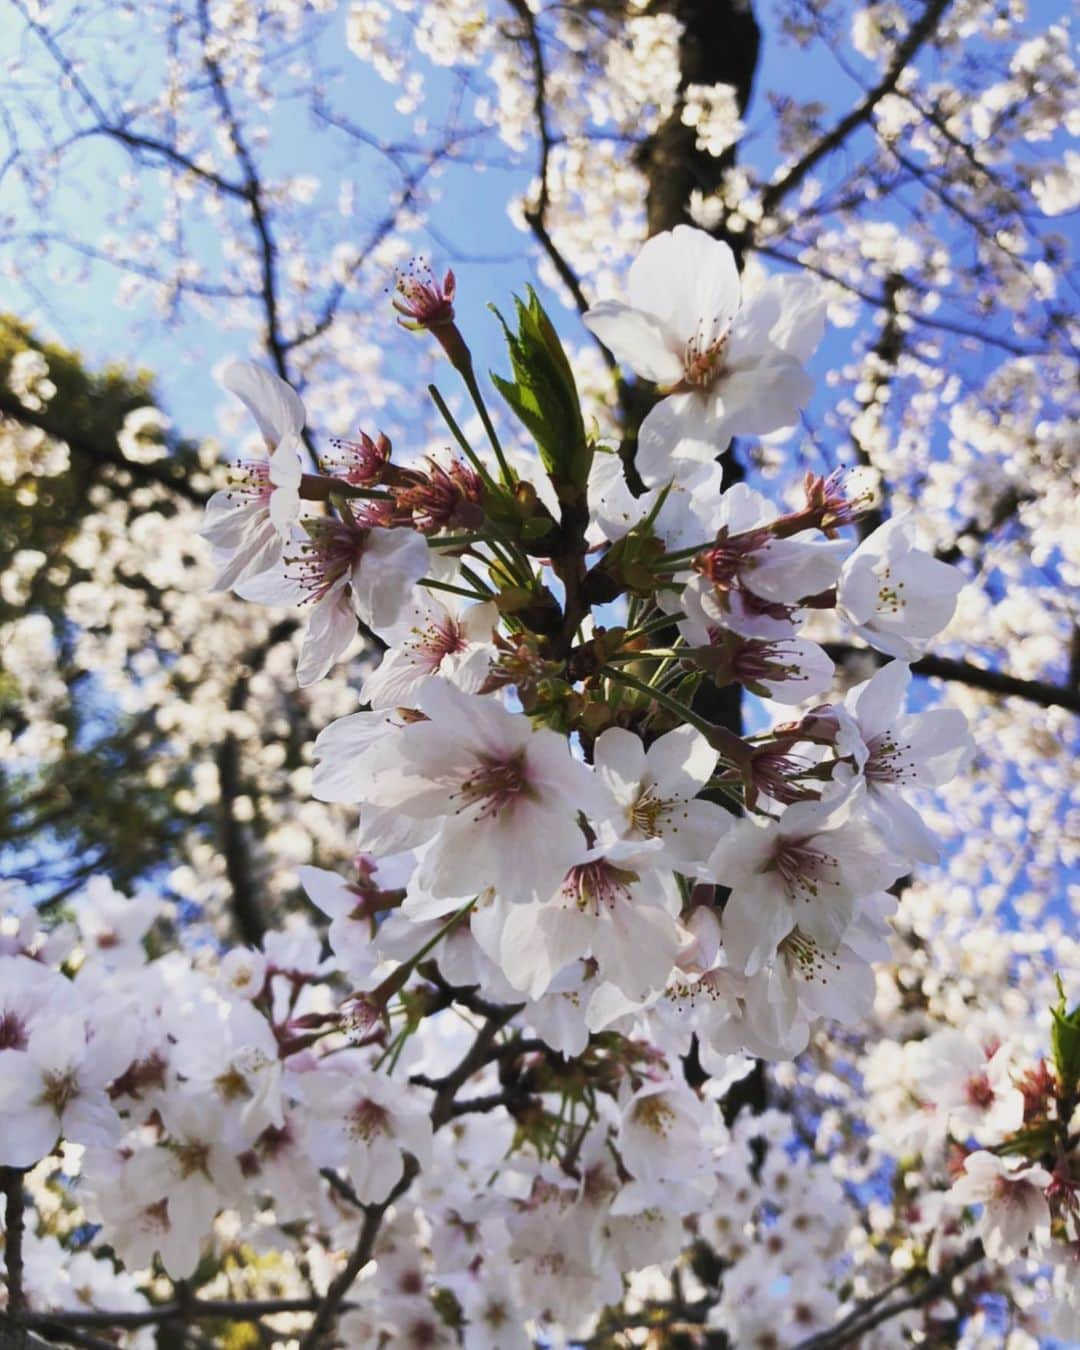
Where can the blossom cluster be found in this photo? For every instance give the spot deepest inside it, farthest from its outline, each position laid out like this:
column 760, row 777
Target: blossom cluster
column 562, row 836
column 554, row 781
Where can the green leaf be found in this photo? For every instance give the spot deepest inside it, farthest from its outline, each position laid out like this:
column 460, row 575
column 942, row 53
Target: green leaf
column 543, row 395
column 1065, row 1042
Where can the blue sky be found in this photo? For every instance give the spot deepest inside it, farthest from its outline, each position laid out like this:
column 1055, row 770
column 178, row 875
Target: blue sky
column 470, row 215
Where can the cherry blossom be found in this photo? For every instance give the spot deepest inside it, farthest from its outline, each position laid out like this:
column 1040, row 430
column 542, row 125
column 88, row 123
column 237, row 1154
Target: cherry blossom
column 807, row 870
column 895, row 596
column 728, row 365
column 657, row 793
column 1013, row 1197
column 248, row 523
column 507, row 796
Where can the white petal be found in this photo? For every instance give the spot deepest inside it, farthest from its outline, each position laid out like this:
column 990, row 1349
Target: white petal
column 331, row 628
column 677, row 437
column 636, row 339
column 275, row 405
column 689, row 280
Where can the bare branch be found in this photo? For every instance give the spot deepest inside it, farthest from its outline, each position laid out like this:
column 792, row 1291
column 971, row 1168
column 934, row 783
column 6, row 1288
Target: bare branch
column 917, row 36
column 873, row 1313
column 999, row 682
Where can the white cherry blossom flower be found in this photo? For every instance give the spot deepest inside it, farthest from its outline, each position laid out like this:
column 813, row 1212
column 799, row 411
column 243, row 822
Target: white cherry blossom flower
column 344, row 569
column 248, row 523
column 966, row 1081
column 657, row 793
column 612, row 906
column 433, row 637
column 1013, row 1195
column 893, row 750
column 508, row 796
column 56, row 1088
column 729, row 366
column 666, row 1133
column 365, row 1122
column 805, row 870
column 351, row 920
column 895, row 596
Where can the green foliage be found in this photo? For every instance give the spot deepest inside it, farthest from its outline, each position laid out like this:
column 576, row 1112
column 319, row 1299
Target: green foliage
column 544, row 396
column 87, row 412
column 92, row 805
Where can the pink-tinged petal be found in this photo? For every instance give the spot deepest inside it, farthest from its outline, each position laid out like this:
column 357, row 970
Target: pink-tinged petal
column 701, row 825
column 844, row 991
column 752, row 927
column 787, row 310
column 228, row 517
column 259, row 551
column 635, row 947
column 637, row 340
column 392, row 562
column 681, row 762
column 90, row 1120
column 329, row 892
column 827, row 918
column 284, row 508
column 276, row 587
column 811, row 672
column 285, row 469
column 337, row 749
column 789, row 570
column 619, row 757
column 331, row 628
column 939, row 741
column 902, row 825
column 276, row 406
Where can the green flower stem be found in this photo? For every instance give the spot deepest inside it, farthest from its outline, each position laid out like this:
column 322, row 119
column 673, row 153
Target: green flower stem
column 432, row 584
column 733, row 748
column 459, row 436
column 468, row 374
column 654, row 625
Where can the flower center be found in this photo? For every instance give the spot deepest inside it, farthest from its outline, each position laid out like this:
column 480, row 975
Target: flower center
column 645, row 813
column 332, row 550
column 703, row 360
column 12, row 1032
column 597, row 885
column 805, row 957
column 722, row 563
column 496, row 784
column 889, row 762
column 979, row 1091
column 805, row 870
column 431, row 646
column 655, row 1114
column 249, row 482
column 368, row 1119
column 194, row 1158
column 59, row 1090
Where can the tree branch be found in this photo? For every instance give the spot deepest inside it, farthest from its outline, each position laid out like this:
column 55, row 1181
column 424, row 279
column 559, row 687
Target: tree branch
column 872, row 1312
column 977, row 677
column 155, row 472
column 918, row 34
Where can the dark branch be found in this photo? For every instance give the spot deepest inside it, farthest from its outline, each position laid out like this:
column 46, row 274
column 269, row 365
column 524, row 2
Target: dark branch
column 873, row 1313
column 98, row 452
column 919, row 34
column 976, row 677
